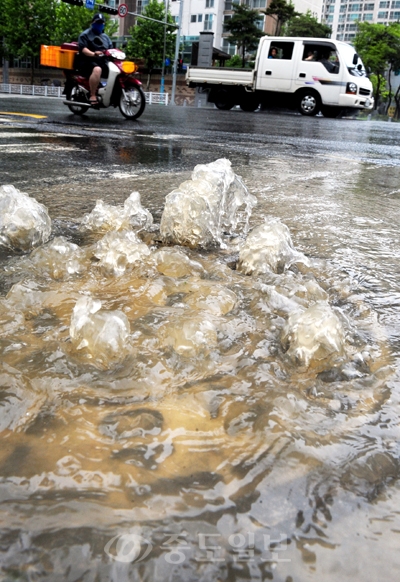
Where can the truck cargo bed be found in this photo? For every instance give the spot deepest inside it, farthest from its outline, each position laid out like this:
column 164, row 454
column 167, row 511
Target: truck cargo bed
column 220, row 76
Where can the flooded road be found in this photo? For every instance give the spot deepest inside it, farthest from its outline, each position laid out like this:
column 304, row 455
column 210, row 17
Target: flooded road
column 207, row 451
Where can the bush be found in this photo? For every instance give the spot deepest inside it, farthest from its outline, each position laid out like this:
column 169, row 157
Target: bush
column 234, row 61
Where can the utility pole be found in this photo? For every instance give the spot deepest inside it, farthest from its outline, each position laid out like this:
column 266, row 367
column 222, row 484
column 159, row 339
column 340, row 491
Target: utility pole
column 178, row 41
column 165, row 40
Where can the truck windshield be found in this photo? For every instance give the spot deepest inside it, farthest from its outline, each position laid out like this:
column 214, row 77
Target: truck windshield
column 347, row 52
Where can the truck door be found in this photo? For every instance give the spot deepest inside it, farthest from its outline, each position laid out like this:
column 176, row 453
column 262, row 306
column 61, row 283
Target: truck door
column 275, row 69
column 319, row 67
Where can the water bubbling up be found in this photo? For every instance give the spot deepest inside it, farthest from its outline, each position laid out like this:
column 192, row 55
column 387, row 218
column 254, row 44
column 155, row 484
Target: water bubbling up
column 171, row 383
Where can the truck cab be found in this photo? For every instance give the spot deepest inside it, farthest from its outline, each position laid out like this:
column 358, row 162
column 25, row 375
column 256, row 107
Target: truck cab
column 310, row 74
column 316, row 74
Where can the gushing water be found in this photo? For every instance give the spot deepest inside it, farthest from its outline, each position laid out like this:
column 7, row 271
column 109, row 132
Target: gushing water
column 152, row 389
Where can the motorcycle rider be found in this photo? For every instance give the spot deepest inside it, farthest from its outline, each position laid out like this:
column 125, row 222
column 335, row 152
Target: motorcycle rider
column 92, row 42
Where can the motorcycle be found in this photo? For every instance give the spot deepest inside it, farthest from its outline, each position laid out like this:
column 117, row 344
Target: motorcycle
column 119, row 89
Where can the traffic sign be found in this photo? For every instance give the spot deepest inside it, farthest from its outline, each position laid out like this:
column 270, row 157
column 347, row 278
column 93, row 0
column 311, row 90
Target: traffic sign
column 90, row 4
column 122, row 10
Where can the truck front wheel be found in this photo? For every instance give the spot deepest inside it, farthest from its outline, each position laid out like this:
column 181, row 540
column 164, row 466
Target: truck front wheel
column 309, row 103
column 332, row 112
column 223, row 100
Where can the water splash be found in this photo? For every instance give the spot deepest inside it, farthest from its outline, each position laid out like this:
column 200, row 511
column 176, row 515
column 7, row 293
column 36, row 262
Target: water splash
column 204, row 209
column 314, row 337
column 268, row 247
column 105, row 217
column 24, row 222
column 103, row 334
column 119, row 251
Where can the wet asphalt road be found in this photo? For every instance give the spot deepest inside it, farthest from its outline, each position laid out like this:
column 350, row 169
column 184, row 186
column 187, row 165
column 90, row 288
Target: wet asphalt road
column 59, row 150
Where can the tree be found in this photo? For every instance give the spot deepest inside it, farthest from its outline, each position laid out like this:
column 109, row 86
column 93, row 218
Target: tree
column 243, row 30
column 148, row 37
column 379, row 47
column 281, row 11
column 307, row 25
column 27, row 25
column 70, row 22
column 3, row 47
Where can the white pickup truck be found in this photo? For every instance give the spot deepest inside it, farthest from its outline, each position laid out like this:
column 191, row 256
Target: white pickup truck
column 310, row 74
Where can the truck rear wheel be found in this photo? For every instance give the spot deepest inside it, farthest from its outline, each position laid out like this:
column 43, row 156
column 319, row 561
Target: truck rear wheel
column 249, row 104
column 223, row 101
column 309, row 103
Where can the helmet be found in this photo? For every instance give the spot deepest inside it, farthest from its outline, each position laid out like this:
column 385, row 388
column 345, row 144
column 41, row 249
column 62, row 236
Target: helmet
column 98, row 18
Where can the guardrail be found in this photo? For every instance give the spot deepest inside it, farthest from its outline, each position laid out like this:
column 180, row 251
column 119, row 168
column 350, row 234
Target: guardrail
column 50, row 91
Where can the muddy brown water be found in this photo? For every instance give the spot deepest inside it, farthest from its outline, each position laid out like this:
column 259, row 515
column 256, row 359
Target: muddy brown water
column 223, row 460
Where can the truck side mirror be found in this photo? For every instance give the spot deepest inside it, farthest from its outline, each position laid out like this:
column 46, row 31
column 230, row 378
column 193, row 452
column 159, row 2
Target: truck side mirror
column 355, row 59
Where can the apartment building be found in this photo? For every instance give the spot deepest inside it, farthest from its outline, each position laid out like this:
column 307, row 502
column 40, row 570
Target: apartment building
column 342, row 15
column 211, row 15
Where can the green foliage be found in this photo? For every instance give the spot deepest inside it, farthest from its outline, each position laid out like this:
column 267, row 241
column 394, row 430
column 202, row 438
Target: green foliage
column 3, row 47
column 148, row 36
column 281, row 11
column 70, row 22
column 27, row 25
column 308, row 26
column 379, row 47
column 243, row 30
column 235, row 61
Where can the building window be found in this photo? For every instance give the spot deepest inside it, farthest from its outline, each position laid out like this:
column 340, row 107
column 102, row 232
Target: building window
column 354, row 17
column 331, row 9
column 141, row 5
column 395, row 15
column 226, row 18
column 354, row 7
column 228, row 47
column 329, row 20
column 343, row 8
column 342, row 17
column 262, row 3
column 384, row 4
column 368, row 16
column 209, row 3
column 199, row 18
column 369, row 6
column 228, row 4
column 193, row 18
column 260, row 23
column 382, row 15
column 208, row 21
column 396, row 4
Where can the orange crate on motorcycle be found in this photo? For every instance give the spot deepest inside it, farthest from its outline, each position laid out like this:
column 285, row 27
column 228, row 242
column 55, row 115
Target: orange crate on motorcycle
column 56, row 56
column 49, row 55
column 66, row 59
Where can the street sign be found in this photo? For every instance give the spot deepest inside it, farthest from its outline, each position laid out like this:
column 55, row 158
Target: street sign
column 122, row 10
column 89, row 4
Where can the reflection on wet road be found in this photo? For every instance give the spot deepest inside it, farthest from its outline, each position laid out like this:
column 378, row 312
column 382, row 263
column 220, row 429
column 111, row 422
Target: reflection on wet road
column 208, row 453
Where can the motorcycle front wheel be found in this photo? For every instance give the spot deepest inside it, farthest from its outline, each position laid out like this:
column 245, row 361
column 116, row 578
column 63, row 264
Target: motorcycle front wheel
column 132, row 104
column 76, row 94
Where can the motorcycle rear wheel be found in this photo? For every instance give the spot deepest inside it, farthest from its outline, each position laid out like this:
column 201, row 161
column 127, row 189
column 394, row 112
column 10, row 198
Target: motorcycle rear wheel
column 76, row 94
column 132, row 106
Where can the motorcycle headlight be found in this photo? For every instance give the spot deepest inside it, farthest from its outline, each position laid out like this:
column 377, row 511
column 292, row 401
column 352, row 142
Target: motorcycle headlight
column 129, row 67
column 351, row 88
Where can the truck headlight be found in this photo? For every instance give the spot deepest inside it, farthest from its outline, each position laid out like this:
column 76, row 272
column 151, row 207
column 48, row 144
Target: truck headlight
column 351, row 88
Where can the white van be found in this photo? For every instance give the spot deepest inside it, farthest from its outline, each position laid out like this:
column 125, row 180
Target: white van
column 310, row 74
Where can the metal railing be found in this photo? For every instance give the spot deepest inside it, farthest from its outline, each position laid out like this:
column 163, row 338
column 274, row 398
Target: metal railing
column 50, row 91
